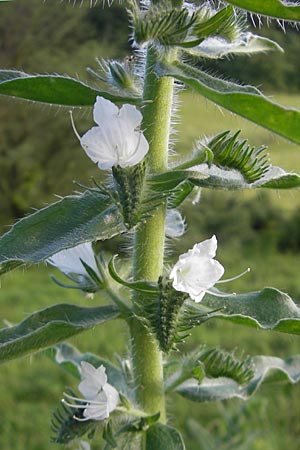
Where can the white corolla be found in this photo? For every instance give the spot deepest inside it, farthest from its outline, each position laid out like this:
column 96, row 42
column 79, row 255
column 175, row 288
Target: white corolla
column 197, row 271
column 99, row 397
column 117, row 140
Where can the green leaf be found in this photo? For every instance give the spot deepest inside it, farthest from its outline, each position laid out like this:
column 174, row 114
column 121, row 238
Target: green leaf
column 49, row 326
column 168, row 180
column 163, row 437
column 55, row 89
column 245, row 101
column 73, row 220
column 269, row 309
column 177, row 197
column 266, row 369
column 69, row 358
column 271, row 8
column 222, row 178
column 216, row 24
column 247, row 43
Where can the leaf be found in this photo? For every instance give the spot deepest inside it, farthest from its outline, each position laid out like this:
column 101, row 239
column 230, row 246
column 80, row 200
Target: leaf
column 50, row 326
column 55, row 89
column 223, row 178
column 245, row 101
column 271, row 8
column 168, row 180
column 269, row 309
column 177, row 197
column 8, row 266
column 71, row 221
column 247, row 43
column 163, row 437
column 266, row 369
column 69, row 357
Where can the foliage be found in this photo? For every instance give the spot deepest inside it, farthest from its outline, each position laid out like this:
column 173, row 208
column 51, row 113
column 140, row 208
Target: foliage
column 127, row 404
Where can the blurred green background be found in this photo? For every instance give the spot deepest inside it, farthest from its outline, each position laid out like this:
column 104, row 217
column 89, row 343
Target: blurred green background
column 40, row 157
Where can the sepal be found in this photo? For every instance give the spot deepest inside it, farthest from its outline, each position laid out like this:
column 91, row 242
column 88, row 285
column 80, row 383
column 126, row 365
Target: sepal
column 65, row 427
column 120, row 75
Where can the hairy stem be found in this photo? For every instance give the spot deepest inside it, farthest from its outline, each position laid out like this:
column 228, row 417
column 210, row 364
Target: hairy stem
column 149, row 239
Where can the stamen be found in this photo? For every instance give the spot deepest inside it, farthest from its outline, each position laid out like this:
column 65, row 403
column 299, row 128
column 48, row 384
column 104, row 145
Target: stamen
column 73, row 126
column 234, row 278
column 72, row 405
column 216, row 294
column 87, row 402
column 81, row 420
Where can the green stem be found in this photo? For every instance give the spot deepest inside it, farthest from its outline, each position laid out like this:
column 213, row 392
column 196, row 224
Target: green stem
column 149, row 240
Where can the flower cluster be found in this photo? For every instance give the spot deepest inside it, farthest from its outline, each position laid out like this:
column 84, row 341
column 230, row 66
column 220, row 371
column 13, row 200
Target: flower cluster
column 100, row 397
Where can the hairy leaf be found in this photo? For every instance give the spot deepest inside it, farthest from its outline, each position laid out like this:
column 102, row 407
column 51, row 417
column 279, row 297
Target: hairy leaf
column 271, row 8
column 163, row 437
column 49, row 326
column 269, row 309
column 71, row 221
column 55, row 89
column 222, row 178
column 245, row 101
column 248, row 44
column 266, row 369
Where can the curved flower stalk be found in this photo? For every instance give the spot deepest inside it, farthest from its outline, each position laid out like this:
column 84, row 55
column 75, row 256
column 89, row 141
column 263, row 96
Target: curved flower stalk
column 197, row 271
column 100, row 397
column 115, row 141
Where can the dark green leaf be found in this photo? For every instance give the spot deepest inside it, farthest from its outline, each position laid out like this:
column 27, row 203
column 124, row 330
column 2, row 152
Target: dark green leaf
column 267, row 309
column 50, row 326
column 55, row 89
column 163, row 437
column 180, row 194
column 266, row 369
column 168, row 180
column 271, row 8
column 73, row 220
column 245, row 101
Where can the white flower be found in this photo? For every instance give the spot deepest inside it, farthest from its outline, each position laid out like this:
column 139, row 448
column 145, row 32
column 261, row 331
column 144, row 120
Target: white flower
column 197, row 271
column 100, row 397
column 69, row 261
column 116, row 140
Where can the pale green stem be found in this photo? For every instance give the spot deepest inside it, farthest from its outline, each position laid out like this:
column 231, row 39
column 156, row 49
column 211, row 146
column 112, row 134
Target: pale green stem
column 149, row 240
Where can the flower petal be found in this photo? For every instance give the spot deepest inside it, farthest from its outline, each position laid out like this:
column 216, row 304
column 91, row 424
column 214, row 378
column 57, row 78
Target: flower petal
column 68, row 261
column 112, row 396
column 104, row 111
column 131, row 116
